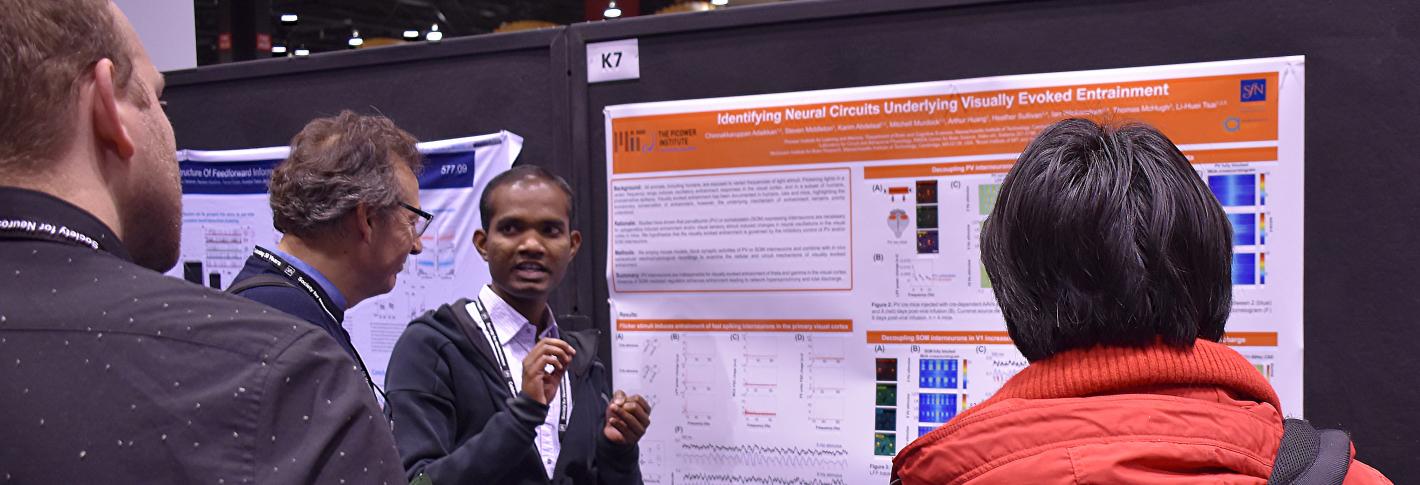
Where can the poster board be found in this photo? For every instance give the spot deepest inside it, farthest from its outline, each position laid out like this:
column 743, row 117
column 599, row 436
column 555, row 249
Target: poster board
column 226, row 211
column 795, row 278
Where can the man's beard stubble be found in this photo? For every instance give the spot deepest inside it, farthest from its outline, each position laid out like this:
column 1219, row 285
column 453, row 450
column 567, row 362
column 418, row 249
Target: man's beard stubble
column 152, row 214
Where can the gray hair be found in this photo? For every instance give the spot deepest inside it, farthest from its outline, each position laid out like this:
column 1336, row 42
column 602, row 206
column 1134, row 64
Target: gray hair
column 336, row 163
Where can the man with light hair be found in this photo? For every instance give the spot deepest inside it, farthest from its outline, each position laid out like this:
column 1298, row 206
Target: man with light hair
column 113, row 372
column 347, row 204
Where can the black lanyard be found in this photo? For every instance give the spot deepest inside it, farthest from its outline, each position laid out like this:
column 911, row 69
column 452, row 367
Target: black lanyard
column 33, row 229
column 304, row 281
column 502, row 359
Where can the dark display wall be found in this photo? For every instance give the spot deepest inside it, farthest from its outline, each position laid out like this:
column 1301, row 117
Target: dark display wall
column 1362, row 285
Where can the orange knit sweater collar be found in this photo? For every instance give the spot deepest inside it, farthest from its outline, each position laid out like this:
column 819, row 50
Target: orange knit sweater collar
column 1109, row 370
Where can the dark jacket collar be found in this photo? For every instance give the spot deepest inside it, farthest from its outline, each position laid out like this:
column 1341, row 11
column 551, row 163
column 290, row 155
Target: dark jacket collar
column 257, row 265
column 24, row 204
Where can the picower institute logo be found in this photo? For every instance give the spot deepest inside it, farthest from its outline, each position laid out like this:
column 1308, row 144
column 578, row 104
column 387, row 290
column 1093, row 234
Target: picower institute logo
column 629, row 141
column 1254, row 90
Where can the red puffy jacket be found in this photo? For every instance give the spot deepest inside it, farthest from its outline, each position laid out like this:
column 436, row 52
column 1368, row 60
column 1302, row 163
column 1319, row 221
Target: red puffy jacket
column 1154, row 415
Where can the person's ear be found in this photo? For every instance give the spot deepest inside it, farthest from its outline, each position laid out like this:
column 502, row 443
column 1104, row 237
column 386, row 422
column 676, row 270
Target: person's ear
column 363, row 220
column 576, row 238
column 480, row 239
column 108, row 122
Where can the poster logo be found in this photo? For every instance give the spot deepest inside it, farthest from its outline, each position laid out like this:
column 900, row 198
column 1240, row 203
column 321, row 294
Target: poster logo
column 1254, row 90
column 628, row 141
column 675, row 138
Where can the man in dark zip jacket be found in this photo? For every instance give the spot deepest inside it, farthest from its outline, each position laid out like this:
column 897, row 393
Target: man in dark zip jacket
column 489, row 389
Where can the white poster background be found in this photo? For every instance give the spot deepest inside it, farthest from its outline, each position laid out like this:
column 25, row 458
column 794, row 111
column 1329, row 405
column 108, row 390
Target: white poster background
column 219, row 231
column 811, row 407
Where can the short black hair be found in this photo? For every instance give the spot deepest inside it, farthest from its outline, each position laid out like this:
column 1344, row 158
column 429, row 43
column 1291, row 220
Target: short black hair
column 1107, row 236
column 522, row 172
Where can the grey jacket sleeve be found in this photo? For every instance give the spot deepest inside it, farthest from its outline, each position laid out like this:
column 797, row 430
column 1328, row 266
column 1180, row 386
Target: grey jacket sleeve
column 318, row 421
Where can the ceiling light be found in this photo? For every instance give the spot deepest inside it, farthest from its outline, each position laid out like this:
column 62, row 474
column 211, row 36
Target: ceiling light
column 278, row 49
column 302, row 52
column 611, row 11
column 289, row 18
column 720, row 2
column 434, row 35
column 411, row 34
column 355, row 40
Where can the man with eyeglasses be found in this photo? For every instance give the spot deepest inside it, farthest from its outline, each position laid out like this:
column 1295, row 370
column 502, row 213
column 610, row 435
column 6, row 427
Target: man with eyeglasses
column 346, row 201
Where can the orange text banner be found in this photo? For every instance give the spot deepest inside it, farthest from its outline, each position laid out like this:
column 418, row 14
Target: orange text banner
column 938, row 337
column 647, row 325
column 1250, row 339
column 1235, row 339
column 1193, row 110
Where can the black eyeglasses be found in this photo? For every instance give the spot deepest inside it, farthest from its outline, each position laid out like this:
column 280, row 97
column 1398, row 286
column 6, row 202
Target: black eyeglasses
column 422, row 222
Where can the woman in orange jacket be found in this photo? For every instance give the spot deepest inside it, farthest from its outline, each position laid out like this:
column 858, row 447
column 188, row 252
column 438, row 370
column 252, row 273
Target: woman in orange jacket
column 1110, row 260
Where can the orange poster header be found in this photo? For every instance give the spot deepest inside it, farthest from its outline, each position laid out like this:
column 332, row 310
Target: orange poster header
column 937, row 169
column 1234, row 339
column 1189, row 110
column 1250, row 339
column 832, row 326
column 938, row 337
column 1264, row 154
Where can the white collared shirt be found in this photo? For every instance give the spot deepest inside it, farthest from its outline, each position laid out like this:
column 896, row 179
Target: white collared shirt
column 517, row 339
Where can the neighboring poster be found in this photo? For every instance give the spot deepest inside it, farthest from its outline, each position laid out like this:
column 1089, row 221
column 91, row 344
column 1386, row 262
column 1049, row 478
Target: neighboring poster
column 796, row 281
column 226, row 212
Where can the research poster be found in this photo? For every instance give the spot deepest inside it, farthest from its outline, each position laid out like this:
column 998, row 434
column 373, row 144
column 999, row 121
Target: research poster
column 796, row 278
column 226, row 211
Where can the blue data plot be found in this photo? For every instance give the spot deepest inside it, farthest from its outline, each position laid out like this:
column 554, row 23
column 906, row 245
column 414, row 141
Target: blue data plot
column 1236, row 190
column 936, row 408
column 1244, row 268
column 938, row 374
column 1244, row 229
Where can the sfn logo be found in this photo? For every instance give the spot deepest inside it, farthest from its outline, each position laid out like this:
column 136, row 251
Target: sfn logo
column 1254, row 90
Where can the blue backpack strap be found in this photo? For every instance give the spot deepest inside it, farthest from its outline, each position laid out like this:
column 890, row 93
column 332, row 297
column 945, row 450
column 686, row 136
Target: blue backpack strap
column 1308, row 456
